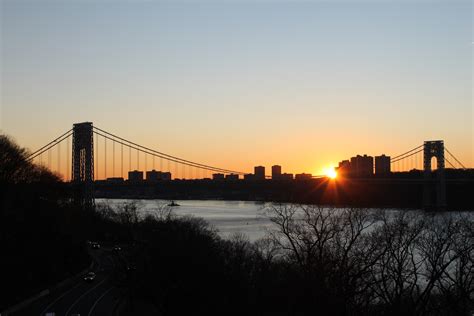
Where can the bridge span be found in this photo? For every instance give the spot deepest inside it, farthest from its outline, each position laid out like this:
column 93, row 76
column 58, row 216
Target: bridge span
column 87, row 156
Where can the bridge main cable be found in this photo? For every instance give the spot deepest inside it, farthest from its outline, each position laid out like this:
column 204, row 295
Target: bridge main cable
column 455, row 158
column 138, row 149
column 449, row 162
column 49, row 146
column 401, row 156
column 161, row 155
column 51, row 142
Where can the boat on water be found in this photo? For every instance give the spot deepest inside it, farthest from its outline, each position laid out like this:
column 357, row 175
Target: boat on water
column 173, row 203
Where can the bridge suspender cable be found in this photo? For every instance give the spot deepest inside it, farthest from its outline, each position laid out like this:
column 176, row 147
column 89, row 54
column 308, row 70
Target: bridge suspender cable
column 402, row 158
column 151, row 152
column 169, row 157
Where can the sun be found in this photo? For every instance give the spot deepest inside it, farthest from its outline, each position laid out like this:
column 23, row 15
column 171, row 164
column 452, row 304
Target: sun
column 330, row 173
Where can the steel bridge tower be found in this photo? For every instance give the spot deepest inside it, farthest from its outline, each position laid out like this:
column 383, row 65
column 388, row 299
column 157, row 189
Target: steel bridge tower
column 434, row 149
column 83, row 164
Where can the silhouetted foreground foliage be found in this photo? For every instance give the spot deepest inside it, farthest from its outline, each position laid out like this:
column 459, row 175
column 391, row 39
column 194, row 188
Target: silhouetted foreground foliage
column 356, row 261
column 39, row 240
column 316, row 261
column 16, row 169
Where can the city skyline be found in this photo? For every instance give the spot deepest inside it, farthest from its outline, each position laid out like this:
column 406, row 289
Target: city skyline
column 302, row 85
column 128, row 161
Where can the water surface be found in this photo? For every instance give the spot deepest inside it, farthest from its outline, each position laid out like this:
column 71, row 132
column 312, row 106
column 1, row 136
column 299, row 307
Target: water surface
column 227, row 216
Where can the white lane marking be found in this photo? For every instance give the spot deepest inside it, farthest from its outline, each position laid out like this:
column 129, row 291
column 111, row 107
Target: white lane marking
column 80, row 297
column 96, row 302
column 60, row 297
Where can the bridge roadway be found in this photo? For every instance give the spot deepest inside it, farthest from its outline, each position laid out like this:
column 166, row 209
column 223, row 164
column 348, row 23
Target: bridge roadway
column 99, row 297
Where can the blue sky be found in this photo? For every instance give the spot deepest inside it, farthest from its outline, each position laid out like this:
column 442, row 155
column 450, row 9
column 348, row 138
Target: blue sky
column 240, row 83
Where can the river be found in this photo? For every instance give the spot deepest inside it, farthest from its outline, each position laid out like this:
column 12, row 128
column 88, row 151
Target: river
column 227, row 216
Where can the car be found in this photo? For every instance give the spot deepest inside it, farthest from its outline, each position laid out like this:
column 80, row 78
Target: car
column 89, row 277
column 116, row 248
column 95, row 245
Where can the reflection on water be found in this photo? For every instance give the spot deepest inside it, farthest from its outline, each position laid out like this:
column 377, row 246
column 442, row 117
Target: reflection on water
column 227, row 216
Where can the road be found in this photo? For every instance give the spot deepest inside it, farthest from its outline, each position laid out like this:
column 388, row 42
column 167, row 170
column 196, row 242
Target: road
column 99, row 297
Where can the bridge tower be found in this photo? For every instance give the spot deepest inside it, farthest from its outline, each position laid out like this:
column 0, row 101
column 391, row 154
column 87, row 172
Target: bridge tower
column 434, row 149
column 83, row 164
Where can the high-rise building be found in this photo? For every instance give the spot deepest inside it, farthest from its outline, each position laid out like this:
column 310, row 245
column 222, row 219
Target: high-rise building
column 154, row 175
column 344, row 168
column 135, row 176
column 249, row 176
column 218, row 176
column 362, row 166
column 382, row 165
column 259, row 173
column 276, row 172
column 232, row 177
column 286, row 176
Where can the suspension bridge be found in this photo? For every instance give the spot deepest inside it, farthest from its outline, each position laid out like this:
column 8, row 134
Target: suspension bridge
column 92, row 153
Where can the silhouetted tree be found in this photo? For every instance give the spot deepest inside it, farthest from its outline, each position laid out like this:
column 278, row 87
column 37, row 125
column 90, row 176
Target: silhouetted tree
column 359, row 261
column 39, row 239
column 15, row 168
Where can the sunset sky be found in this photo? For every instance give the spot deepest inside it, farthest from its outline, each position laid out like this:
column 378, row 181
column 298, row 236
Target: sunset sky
column 235, row 84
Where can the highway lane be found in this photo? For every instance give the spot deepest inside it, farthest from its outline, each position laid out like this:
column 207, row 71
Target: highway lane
column 88, row 300
column 102, row 305
column 98, row 297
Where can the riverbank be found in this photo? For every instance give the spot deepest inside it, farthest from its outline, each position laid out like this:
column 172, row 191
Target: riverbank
column 376, row 193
